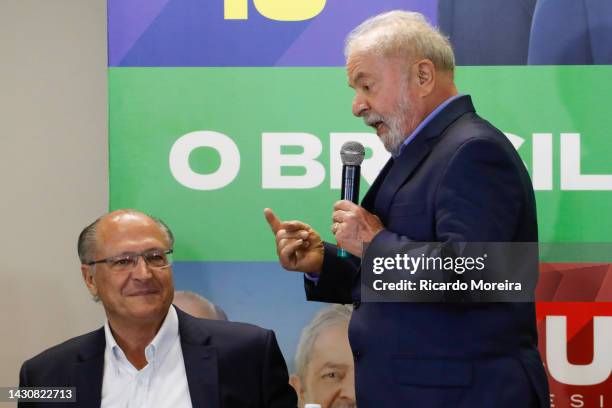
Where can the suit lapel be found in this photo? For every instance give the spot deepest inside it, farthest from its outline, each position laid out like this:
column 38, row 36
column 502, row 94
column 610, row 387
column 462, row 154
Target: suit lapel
column 202, row 374
column 397, row 171
column 368, row 199
column 201, row 365
column 402, row 169
column 89, row 371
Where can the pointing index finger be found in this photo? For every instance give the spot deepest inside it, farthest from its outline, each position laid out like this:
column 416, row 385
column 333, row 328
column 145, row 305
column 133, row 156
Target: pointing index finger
column 273, row 221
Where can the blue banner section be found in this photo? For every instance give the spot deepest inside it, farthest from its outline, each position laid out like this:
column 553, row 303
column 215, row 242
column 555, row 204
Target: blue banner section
column 260, row 293
column 173, row 33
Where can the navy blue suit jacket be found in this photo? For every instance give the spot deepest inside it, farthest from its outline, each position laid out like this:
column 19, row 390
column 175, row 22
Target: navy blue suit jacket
column 459, row 180
column 227, row 365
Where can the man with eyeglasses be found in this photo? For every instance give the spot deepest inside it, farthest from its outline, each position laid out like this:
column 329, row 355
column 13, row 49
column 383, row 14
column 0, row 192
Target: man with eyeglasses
column 150, row 353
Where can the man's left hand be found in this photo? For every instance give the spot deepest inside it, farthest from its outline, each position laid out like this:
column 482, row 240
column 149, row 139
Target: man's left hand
column 353, row 225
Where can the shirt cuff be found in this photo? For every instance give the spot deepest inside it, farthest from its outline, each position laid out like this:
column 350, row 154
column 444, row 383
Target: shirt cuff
column 313, row 277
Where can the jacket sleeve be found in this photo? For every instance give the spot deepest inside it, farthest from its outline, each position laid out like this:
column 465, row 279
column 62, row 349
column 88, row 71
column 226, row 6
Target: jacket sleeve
column 277, row 393
column 336, row 279
column 24, row 382
column 23, row 377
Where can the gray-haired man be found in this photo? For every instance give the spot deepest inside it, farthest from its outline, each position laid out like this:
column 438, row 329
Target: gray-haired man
column 324, row 367
column 149, row 353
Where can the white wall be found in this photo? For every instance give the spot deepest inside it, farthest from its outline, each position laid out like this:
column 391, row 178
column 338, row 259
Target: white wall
column 53, row 169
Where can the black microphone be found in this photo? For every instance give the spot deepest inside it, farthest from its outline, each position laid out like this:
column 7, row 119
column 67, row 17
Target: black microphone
column 351, row 154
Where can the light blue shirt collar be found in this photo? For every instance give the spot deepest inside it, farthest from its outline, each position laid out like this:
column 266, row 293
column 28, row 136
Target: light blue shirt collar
column 159, row 346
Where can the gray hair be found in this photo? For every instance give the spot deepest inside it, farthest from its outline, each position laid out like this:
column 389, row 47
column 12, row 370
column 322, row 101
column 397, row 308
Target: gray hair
column 88, row 240
column 326, row 317
column 401, row 34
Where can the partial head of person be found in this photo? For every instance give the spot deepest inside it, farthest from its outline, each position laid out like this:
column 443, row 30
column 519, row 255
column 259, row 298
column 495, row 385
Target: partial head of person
column 126, row 262
column 401, row 69
column 197, row 306
column 324, row 366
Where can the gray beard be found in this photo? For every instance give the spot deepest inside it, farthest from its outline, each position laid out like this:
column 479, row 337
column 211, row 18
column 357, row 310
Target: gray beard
column 394, row 138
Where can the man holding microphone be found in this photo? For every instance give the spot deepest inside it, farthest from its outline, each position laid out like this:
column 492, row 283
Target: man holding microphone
column 453, row 177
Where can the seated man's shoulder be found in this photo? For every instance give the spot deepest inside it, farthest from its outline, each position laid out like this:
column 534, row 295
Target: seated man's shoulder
column 69, row 351
column 232, row 335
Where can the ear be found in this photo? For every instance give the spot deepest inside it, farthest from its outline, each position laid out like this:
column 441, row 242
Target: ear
column 296, row 383
column 425, row 76
column 88, row 277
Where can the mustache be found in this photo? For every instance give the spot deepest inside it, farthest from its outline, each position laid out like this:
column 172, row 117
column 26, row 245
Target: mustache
column 345, row 405
column 139, row 288
column 370, row 120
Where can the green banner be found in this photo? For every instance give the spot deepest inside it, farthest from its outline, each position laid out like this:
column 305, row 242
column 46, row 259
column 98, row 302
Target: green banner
column 207, row 149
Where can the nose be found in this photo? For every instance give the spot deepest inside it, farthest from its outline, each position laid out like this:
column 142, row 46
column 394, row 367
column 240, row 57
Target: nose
column 141, row 269
column 348, row 388
column 360, row 105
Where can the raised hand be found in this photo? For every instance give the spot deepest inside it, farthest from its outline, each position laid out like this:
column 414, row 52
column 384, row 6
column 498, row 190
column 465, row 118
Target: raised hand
column 353, row 225
column 298, row 246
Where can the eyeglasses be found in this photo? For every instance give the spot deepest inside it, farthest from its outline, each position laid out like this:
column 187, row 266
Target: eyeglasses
column 156, row 258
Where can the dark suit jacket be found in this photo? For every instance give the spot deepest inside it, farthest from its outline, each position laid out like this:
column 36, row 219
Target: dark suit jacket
column 459, row 180
column 227, row 365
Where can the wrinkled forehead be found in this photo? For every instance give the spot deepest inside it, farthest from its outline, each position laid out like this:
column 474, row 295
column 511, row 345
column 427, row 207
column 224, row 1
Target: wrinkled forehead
column 331, row 341
column 362, row 66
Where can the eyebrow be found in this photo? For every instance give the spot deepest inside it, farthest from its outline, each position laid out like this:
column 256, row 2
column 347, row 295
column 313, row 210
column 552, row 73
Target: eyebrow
column 333, row 365
column 360, row 76
column 152, row 249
